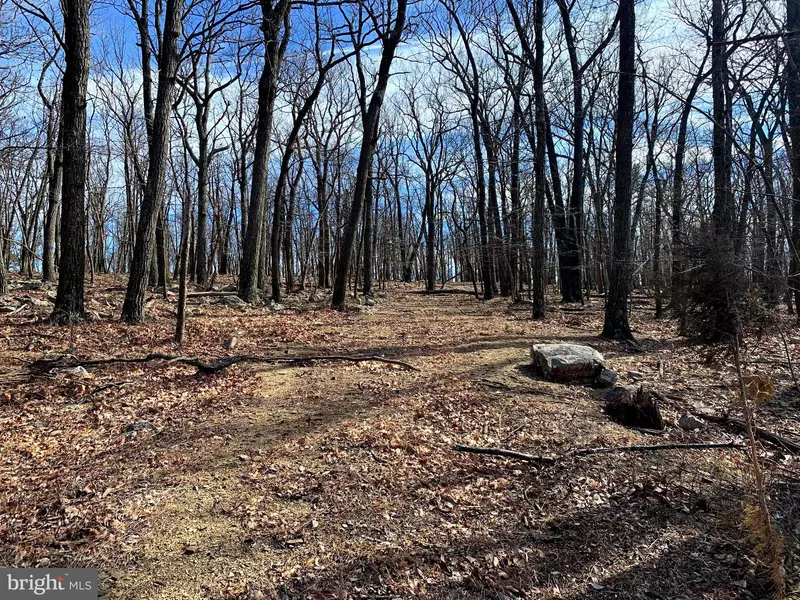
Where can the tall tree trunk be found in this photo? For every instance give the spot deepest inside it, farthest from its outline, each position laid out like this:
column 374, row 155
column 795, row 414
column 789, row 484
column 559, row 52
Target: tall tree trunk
column 51, row 214
column 161, row 251
column 133, row 307
column 723, row 216
column 369, row 223
column 793, row 93
column 3, row 270
column 280, row 188
column 516, row 206
column 657, row 278
column 69, row 298
column 483, row 227
column 288, row 252
column 369, row 139
column 273, row 18
column 538, row 283
column 430, row 235
column 616, row 324
column 183, row 264
column 324, row 240
column 200, row 243
column 678, row 249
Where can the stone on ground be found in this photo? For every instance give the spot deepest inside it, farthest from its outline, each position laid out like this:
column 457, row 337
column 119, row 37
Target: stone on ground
column 688, row 422
column 234, row 302
column 566, row 363
column 606, row 379
column 138, row 426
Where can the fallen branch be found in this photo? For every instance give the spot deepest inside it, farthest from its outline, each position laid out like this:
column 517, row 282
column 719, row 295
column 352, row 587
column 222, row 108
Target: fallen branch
column 760, row 432
column 645, row 430
column 441, row 292
column 505, row 453
column 211, row 294
column 586, row 451
column 16, row 310
column 206, row 367
column 647, row 448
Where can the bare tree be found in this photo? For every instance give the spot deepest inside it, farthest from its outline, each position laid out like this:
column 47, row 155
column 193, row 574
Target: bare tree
column 69, row 305
column 616, row 325
column 390, row 38
column 275, row 18
column 133, row 307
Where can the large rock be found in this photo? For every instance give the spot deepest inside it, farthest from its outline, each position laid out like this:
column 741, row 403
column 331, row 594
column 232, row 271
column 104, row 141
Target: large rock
column 234, row 302
column 567, row 362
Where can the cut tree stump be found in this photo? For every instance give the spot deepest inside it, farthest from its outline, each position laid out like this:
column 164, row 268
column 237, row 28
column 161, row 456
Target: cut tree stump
column 634, row 407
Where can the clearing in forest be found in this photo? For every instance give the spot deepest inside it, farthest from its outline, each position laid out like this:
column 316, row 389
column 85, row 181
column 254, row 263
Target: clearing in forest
column 330, row 479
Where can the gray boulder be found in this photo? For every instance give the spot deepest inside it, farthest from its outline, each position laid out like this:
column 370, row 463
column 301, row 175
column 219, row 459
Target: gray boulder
column 606, row 379
column 234, row 302
column 272, row 305
column 567, row 362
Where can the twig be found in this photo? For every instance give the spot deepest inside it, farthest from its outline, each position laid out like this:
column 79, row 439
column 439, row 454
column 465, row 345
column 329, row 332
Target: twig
column 698, row 446
column 505, row 453
column 211, row 294
column 16, row 310
column 108, row 386
column 209, row 367
column 586, row 451
column 646, row 430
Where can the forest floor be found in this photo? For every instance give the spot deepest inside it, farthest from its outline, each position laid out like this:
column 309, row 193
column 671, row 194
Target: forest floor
column 336, row 480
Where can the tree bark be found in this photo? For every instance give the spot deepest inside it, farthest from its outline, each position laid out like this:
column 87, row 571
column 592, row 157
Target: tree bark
column 678, row 249
column 133, row 307
column 369, row 199
column 723, row 214
column 793, row 93
column 273, row 18
column 69, row 298
column 538, row 296
column 616, row 313
column 288, row 252
column 368, row 142
column 51, row 214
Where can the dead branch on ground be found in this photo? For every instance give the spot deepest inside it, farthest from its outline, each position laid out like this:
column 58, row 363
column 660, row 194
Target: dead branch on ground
column 759, row 432
column 587, row 451
column 204, row 366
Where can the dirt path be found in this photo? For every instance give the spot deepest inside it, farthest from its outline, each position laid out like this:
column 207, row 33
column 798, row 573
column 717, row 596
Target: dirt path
column 333, row 480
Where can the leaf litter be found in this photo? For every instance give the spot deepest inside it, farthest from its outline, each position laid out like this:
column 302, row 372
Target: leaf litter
column 332, row 480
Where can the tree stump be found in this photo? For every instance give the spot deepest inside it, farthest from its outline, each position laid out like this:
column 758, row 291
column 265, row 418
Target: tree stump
column 634, row 406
